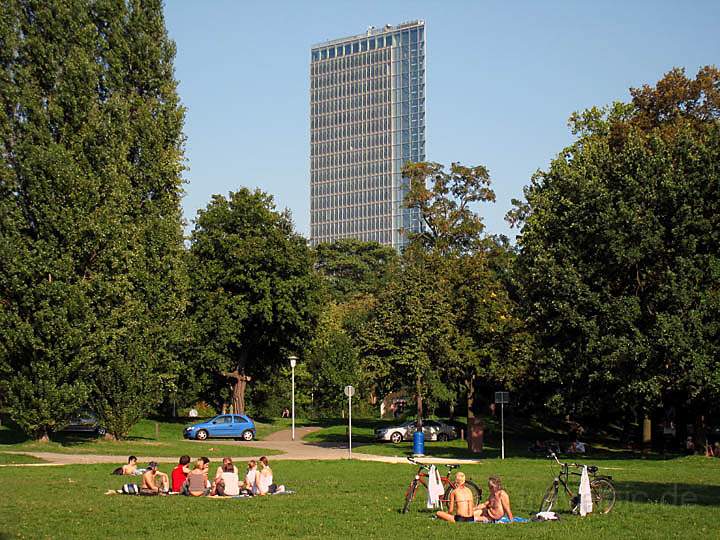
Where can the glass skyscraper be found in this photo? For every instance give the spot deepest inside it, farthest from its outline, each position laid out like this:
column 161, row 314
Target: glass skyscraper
column 367, row 118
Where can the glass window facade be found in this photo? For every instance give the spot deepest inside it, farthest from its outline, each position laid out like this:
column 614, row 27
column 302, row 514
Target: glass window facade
column 367, row 118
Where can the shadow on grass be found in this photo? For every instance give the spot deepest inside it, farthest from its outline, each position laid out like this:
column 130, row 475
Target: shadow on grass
column 11, row 436
column 671, row 493
column 518, row 440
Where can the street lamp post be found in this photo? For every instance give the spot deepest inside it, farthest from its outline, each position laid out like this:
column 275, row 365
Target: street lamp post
column 293, row 363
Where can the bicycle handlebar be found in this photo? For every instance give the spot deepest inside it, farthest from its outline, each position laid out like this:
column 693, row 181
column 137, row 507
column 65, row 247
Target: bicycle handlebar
column 577, row 465
column 427, row 467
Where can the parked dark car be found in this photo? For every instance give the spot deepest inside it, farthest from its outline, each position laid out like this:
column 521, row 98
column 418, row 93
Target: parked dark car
column 84, row 422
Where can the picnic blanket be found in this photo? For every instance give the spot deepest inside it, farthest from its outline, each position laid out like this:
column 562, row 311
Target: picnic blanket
column 505, row 519
column 241, row 496
column 285, row 492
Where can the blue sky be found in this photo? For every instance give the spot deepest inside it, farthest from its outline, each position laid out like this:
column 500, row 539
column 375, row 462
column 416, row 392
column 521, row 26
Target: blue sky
column 502, row 79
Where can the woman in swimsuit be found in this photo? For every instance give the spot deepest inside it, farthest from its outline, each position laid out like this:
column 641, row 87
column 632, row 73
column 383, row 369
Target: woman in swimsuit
column 498, row 504
column 461, row 503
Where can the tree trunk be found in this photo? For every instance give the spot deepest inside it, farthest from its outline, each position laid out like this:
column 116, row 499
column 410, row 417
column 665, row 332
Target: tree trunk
column 42, row 436
column 470, row 384
column 700, row 438
column 646, row 434
column 239, row 383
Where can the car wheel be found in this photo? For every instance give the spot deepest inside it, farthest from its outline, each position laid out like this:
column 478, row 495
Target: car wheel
column 396, row 438
column 201, row 435
column 443, row 437
column 247, row 435
column 101, row 431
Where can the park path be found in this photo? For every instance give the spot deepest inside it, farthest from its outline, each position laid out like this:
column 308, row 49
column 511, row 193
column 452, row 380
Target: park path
column 280, row 441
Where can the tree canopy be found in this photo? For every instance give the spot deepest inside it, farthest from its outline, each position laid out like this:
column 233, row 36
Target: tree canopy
column 91, row 280
column 619, row 263
column 254, row 294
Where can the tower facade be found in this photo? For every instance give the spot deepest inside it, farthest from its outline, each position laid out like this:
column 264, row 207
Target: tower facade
column 367, row 119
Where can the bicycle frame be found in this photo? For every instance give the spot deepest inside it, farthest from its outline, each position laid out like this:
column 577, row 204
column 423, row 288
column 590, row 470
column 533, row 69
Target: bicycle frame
column 421, row 475
column 563, row 479
column 448, row 484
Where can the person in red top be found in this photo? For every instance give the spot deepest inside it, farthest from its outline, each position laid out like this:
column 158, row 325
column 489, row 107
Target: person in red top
column 179, row 474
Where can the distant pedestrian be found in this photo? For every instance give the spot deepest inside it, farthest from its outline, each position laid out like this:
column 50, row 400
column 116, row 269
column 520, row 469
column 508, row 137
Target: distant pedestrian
column 689, row 445
column 285, row 413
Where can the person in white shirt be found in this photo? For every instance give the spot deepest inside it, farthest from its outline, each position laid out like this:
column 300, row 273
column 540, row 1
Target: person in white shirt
column 226, row 480
column 250, row 477
column 264, row 479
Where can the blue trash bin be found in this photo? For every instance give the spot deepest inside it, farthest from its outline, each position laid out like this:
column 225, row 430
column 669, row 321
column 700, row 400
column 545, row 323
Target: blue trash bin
column 419, row 443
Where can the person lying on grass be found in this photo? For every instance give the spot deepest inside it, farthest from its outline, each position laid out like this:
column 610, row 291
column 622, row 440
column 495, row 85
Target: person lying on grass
column 150, row 478
column 498, row 504
column 130, row 467
column 461, row 503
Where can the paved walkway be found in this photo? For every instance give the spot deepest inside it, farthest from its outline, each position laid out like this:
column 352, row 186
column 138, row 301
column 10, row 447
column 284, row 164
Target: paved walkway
column 280, row 441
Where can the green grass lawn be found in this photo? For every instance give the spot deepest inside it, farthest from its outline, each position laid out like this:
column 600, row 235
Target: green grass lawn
column 12, row 459
column 347, row 499
column 142, row 440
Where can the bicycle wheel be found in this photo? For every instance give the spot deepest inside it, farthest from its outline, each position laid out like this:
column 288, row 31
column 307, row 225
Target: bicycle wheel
column 472, row 486
column 409, row 495
column 549, row 499
column 603, row 495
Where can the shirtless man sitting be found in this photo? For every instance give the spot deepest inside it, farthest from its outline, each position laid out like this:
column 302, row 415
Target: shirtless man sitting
column 462, row 498
column 149, row 481
column 498, row 504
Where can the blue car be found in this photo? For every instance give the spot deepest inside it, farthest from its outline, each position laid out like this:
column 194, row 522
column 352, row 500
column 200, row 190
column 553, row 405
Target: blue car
column 231, row 426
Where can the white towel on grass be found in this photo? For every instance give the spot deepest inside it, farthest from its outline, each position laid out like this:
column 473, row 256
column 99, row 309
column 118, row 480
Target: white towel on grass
column 586, row 505
column 435, row 488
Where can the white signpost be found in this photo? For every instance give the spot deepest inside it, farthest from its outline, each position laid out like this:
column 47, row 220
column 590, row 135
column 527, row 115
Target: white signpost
column 502, row 398
column 349, row 392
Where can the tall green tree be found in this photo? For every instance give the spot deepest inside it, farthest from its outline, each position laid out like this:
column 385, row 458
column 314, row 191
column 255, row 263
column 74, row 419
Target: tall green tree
column 446, row 202
column 490, row 342
column 254, row 294
column 91, row 280
column 620, row 263
column 410, row 339
column 354, row 273
column 351, row 267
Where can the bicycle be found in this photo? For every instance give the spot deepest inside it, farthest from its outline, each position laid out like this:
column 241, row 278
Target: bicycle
column 421, row 477
column 601, row 489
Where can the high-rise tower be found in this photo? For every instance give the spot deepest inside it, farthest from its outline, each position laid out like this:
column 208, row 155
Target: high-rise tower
column 367, row 118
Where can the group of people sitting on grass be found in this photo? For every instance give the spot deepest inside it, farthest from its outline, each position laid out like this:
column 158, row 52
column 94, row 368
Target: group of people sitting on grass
column 462, row 507
column 196, row 481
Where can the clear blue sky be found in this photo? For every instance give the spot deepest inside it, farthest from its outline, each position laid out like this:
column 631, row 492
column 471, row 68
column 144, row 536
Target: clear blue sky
column 502, row 79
